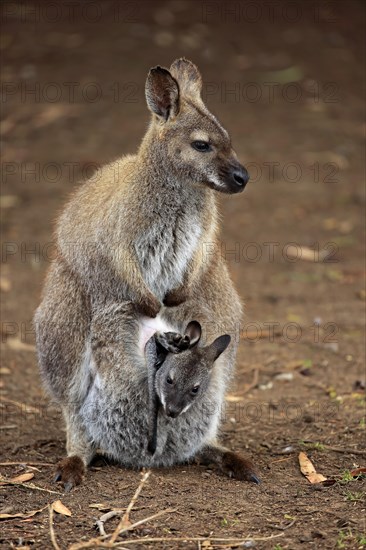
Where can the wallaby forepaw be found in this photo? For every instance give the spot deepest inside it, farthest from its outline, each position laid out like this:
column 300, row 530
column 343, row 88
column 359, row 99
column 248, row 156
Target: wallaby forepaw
column 238, row 467
column 150, row 308
column 175, row 298
column 70, row 471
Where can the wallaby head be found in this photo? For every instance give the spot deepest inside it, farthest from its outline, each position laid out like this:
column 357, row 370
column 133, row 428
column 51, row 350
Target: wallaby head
column 184, row 376
column 188, row 139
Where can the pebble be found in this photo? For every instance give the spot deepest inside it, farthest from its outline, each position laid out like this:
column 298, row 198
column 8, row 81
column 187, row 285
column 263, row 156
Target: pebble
column 287, row 376
column 267, row 386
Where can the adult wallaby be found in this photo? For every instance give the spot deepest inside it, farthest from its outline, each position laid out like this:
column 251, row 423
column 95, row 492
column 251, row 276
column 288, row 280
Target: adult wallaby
column 142, row 235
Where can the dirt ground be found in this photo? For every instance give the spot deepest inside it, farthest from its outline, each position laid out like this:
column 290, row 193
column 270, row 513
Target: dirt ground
column 287, row 81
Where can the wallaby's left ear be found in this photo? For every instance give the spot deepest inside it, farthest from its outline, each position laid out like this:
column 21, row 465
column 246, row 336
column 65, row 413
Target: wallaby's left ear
column 162, row 93
column 187, row 76
column 217, row 347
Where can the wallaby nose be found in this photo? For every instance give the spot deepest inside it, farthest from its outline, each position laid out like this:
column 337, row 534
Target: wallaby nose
column 241, row 176
column 172, row 412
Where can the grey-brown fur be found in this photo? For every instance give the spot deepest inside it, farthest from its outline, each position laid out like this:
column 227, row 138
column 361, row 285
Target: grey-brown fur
column 141, row 240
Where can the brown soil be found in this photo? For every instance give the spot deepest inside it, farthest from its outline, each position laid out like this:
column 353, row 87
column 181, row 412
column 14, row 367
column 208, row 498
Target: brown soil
column 311, row 134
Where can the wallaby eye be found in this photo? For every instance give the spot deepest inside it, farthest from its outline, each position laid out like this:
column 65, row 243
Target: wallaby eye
column 201, row 146
column 169, row 380
column 195, row 389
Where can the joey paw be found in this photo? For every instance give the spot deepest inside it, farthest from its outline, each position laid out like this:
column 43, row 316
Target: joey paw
column 70, row 471
column 173, row 341
column 238, row 467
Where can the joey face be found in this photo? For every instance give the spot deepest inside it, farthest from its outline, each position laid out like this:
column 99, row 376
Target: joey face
column 196, row 147
column 180, row 381
column 185, row 377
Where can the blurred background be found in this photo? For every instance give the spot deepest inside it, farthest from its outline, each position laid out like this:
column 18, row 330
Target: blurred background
column 286, row 78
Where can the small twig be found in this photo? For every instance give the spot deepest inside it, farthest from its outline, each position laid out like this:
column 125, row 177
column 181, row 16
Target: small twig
column 125, row 521
column 281, row 459
column 234, row 540
column 52, row 531
column 105, row 517
column 254, row 382
column 3, row 483
column 100, row 524
column 344, row 450
column 9, row 427
column 280, row 528
column 101, row 541
column 141, row 521
column 25, row 463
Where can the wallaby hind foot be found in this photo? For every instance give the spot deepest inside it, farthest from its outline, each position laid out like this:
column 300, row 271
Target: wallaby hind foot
column 232, row 464
column 70, row 471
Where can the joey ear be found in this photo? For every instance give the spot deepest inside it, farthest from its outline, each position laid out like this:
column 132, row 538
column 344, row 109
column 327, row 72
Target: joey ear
column 193, row 331
column 217, row 347
column 188, row 77
column 162, row 93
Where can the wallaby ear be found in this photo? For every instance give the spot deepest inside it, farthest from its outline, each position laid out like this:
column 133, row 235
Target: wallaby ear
column 217, row 347
column 187, row 76
column 162, row 93
column 193, row 331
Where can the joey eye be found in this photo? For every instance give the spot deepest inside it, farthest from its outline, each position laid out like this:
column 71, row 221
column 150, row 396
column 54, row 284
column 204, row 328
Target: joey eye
column 169, row 380
column 195, row 389
column 201, row 146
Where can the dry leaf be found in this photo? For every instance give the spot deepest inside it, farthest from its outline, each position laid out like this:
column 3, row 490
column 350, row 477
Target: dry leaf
column 307, row 468
column 22, row 478
column 61, row 508
column 20, row 515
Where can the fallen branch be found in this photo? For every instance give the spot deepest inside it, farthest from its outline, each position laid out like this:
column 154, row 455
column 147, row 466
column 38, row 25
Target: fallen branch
column 233, row 541
column 125, row 521
column 31, row 486
column 344, row 450
column 52, row 531
column 25, row 463
column 105, row 517
column 254, row 382
column 99, row 543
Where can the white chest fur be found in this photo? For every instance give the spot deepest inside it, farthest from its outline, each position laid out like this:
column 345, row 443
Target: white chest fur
column 148, row 327
column 164, row 253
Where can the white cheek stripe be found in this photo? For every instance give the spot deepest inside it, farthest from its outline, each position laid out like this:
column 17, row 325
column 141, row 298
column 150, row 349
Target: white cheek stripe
column 198, row 135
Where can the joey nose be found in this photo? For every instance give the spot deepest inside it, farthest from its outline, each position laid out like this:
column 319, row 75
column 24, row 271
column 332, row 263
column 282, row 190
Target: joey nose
column 172, row 412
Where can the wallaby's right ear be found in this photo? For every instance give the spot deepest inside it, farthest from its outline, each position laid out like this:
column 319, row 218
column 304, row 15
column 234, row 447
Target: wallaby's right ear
column 162, row 93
